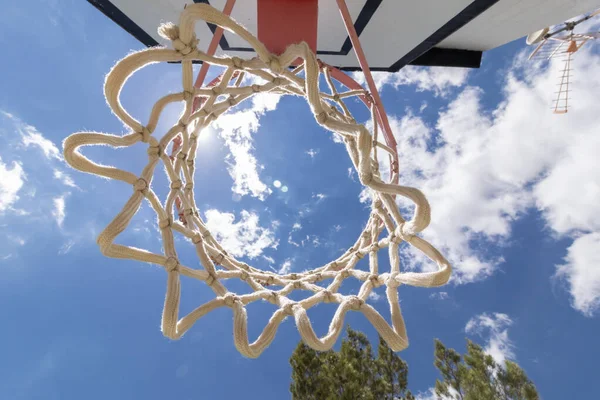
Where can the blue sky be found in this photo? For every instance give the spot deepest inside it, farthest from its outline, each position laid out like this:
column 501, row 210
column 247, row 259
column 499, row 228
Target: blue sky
column 514, row 192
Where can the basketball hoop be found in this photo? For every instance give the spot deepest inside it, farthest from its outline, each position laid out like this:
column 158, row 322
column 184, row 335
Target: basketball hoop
column 204, row 105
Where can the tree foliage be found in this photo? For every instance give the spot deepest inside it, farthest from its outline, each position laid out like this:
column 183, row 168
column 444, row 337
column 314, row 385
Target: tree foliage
column 352, row 373
column 355, row 372
column 477, row 376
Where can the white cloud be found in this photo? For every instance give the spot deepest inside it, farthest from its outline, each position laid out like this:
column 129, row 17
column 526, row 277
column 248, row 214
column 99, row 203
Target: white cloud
column 582, row 271
column 59, row 210
column 494, row 329
column 439, row 80
column 64, row 178
column 243, row 238
column 483, row 169
column 66, row 247
column 312, row 152
column 268, row 259
column 374, row 296
column 351, row 173
column 236, row 129
column 365, row 196
column 286, row 267
column 11, row 181
column 319, row 196
column 431, row 395
column 439, row 296
column 32, row 137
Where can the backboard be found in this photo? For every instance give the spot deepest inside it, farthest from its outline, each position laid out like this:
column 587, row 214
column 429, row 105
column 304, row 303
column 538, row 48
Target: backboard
column 393, row 33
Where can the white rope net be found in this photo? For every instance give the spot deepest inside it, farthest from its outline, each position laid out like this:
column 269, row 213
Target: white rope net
column 216, row 265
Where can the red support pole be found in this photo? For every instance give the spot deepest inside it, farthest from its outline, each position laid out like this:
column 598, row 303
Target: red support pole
column 212, row 48
column 364, row 65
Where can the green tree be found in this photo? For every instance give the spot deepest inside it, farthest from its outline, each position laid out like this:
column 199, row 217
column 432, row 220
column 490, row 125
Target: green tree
column 352, row 373
column 477, row 376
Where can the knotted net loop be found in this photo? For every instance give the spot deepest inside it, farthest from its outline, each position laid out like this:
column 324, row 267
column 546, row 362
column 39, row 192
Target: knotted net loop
column 329, row 111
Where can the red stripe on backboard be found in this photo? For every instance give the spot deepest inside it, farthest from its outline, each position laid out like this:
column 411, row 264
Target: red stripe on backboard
column 283, row 22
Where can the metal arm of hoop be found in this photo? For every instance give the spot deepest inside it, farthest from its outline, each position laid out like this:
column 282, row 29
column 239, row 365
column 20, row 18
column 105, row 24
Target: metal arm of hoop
column 382, row 120
column 364, row 65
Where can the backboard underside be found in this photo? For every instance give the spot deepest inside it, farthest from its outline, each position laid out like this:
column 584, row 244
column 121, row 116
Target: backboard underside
column 393, row 33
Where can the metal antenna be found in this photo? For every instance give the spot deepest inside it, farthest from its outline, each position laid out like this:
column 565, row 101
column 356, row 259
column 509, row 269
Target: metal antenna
column 550, row 45
column 561, row 102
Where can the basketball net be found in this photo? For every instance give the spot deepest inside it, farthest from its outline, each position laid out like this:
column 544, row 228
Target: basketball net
column 217, row 265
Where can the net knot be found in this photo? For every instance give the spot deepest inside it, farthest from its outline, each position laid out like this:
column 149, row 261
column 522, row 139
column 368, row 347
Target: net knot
column 145, row 134
column 187, row 95
column 336, row 97
column 328, row 296
column 256, row 88
column 345, row 273
column 189, row 185
column 377, row 204
column 205, row 234
column 275, row 65
column 244, row 276
column 184, row 48
column 318, row 277
column 245, row 267
column 274, row 295
column 237, row 62
column 176, row 185
column 154, row 151
column 164, row 223
column 289, row 308
column 297, row 285
column 230, row 299
column 277, row 81
column 217, row 90
column 232, row 101
column 392, row 280
column 404, row 233
column 171, row 265
column 211, row 279
column 270, row 280
column 375, row 247
column 190, row 163
column 170, row 32
column 355, row 302
column 375, row 280
column 219, row 259
column 359, row 254
column 365, row 178
column 182, row 155
column 321, row 117
column 141, row 185
column 197, row 238
column 395, row 238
